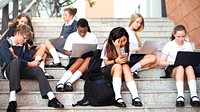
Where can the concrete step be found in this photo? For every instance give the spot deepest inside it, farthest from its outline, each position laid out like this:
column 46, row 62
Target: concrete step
column 142, row 84
column 69, row 98
column 146, row 108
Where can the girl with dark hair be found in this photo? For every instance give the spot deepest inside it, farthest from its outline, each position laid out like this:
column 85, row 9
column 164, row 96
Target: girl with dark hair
column 76, row 66
column 57, row 44
column 167, row 59
column 115, row 65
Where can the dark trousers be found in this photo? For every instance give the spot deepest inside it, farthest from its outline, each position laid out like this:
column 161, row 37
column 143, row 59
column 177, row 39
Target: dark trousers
column 16, row 71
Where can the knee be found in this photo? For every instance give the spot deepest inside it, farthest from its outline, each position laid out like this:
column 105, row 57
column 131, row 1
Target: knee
column 118, row 67
column 42, row 46
column 15, row 62
column 153, row 59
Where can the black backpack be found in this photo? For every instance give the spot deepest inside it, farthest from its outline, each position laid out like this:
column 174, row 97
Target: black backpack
column 98, row 90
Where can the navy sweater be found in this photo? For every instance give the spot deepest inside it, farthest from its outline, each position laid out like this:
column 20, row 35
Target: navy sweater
column 23, row 55
column 66, row 30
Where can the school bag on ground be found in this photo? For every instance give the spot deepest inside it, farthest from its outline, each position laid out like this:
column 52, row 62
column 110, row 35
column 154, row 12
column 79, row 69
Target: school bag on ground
column 98, row 89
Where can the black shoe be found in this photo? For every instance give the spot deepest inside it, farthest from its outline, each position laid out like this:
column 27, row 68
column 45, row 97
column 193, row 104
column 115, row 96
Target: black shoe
column 119, row 104
column 48, row 76
column 135, row 75
column 136, row 103
column 12, row 106
column 180, row 103
column 60, row 89
column 194, row 103
column 55, row 103
column 52, row 64
column 68, row 88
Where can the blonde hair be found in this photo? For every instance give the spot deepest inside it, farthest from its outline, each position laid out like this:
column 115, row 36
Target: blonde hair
column 141, row 28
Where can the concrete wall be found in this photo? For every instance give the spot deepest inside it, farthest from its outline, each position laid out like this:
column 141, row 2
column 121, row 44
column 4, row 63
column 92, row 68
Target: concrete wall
column 186, row 12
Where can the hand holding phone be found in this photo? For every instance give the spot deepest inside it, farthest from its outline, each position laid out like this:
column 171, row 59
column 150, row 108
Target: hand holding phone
column 40, row 60
column 124, row 55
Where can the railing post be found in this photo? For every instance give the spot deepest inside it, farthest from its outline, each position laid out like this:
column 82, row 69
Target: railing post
column 164, row 12
column 15, row 8
column 5, row 17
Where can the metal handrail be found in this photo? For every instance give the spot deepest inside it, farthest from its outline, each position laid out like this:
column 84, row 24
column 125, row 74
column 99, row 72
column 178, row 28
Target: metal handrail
column 3, row 3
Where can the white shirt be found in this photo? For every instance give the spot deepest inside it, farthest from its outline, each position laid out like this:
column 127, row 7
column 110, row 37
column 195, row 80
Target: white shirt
column 89, row 38
column 132, row 39
column 104, row 56
column 171, row 49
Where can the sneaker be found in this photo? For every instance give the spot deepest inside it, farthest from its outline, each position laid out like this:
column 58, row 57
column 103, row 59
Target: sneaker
column 52, row 64
column 55, row 103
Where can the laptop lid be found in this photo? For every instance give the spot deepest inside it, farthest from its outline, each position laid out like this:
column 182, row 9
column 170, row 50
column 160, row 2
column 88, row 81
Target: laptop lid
column 186, row 58
column 79, row 49
column 149, row 47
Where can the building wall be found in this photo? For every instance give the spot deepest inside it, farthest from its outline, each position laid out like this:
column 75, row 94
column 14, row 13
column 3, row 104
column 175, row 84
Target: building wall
column 101, row 9
column 186, row 12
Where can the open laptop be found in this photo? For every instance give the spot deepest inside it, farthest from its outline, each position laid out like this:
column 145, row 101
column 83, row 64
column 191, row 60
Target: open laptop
column 186, row 58
column 79, row 49
column 149, row 47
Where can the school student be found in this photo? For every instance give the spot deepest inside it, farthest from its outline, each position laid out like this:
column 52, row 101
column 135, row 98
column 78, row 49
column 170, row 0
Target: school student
column 115, row 65
column 76, row 66
column 178, row 43
column 37, row 51
column 138, row 61
column 22, row 67
column 57, row 44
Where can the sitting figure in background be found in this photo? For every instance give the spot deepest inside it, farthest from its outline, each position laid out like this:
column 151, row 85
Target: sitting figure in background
column 167, row 59
column 57, row 44
column 76, row 66
column 21, row 66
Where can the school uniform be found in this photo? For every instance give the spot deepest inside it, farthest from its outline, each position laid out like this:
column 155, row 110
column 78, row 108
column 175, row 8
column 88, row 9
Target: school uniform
column 89, row 38
column 133, row 43
column 16, row 69
column 171, row 49
column 67, row 29
column 106, row 69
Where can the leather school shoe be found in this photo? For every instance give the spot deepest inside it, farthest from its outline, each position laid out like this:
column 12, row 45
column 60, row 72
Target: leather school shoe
column 135, row 75
column 48, row 76
column 136, row 103
column 60, row 89
column 180, row 103
column 68, row 88
column 55, row 103
column 12, row 106
column 119, row 104
column 52, row 64
column 194, row 103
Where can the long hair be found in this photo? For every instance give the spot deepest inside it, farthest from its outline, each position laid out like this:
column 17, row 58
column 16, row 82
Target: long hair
column 177, row 28
column 115, row 34
column 141, row 28
column 15, row 24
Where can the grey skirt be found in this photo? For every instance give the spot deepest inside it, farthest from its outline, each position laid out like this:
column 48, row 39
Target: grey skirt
column 58, row 43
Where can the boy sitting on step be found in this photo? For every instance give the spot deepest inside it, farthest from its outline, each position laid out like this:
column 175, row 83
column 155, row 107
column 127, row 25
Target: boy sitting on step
column 22, row 67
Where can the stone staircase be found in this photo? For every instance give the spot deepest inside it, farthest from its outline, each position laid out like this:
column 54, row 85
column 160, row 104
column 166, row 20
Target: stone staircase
column 156, row 94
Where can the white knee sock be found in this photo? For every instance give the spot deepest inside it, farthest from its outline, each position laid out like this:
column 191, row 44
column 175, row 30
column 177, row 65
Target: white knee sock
column 42, row 65
column 179, row 86
column 54, row 55
column 74, row 77
column 12, row 96
column 193, row 89
column 65, row 78
column 117, row 82
column 132, row 88
column 135, row 67
column 50, row 95
column 38, row 58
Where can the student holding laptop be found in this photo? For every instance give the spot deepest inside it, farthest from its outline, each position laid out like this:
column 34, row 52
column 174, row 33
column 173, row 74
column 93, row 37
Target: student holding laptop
column 167, row 59
column 78, row 65
column 137, row 61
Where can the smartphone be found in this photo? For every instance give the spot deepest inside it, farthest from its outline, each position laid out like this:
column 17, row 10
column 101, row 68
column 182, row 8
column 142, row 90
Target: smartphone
column 41, row 60
column 125, row 55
